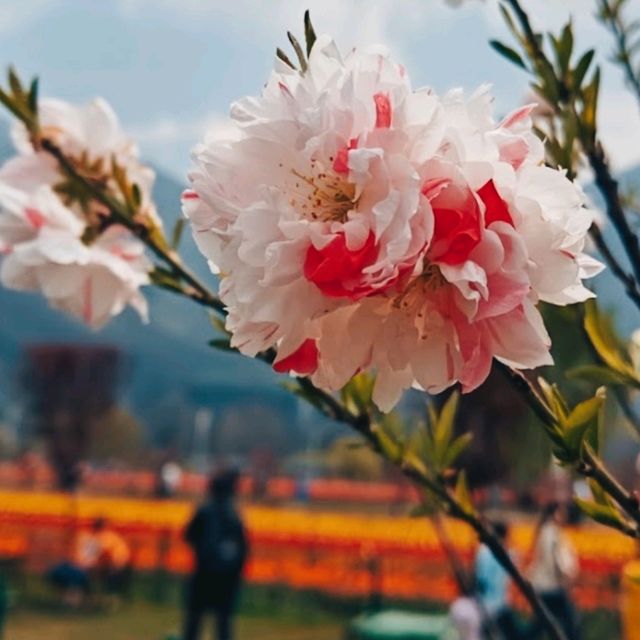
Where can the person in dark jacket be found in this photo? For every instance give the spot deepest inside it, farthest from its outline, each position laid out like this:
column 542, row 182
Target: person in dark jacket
column 218, row 540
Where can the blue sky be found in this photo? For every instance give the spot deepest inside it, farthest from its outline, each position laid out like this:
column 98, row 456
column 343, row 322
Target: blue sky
column 172, row 67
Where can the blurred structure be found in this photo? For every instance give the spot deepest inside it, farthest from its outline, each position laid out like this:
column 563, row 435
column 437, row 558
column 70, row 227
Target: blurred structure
column 68, row 389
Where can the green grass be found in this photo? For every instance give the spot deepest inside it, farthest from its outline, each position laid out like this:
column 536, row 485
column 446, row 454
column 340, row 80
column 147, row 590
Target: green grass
column 149, row 622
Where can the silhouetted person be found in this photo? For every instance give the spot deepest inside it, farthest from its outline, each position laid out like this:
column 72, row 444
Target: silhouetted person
column 553, row 570
column 219, row 543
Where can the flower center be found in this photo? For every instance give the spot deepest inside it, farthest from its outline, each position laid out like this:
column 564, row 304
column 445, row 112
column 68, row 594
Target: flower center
column 323, row 196
column 421, row 286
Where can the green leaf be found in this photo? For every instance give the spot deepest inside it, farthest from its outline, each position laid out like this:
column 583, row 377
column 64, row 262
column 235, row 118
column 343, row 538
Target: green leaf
column 136, row 196
column 309, row 32
column 33, row 96
column 285, row 58
column 443, row 429
column 607, row 345
column 597, row 374
column 456, row 448
column 299, row 52
column 176, row 235
column 564, row 49
column 15, row 84
column 581, row 68
column 510, row 54
column 583, row 423
column 604, row 514
column 590, row 99
column 506, row 16
column 357, row 393
column 389, row 446
column 462, row 494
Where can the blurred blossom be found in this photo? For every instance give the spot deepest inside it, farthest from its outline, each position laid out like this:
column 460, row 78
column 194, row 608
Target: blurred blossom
column 57, row 240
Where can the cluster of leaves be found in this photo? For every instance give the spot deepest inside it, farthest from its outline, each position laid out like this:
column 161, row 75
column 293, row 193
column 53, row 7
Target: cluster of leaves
column 627, row 39
column 22, row 102
column 567, row 87
column 576, row 435
column 301, row 54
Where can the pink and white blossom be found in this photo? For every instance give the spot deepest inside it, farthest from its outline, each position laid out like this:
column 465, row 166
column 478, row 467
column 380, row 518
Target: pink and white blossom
column 359, row 224
column 57, row 244
column 43, row 250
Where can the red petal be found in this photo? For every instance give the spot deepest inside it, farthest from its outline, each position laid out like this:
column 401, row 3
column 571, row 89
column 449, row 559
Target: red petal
column 34, row 218
column 336, row 270
column 341, row 162
column 304, row 360
column 383, row 110
column 496, row 207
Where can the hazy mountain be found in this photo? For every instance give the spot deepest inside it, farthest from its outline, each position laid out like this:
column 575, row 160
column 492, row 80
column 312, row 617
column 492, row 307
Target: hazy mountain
column 167, row 358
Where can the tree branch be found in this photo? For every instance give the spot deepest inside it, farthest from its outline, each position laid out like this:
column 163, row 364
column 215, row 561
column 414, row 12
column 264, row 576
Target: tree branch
column 199, row 292
column 611, row 17
column 589, row 142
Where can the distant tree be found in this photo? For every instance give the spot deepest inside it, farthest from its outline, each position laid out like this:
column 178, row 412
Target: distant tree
column 68, row 389
column 116, row 435
column 349, row 458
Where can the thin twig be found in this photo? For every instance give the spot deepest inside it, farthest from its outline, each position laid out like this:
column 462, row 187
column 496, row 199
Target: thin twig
column 591, row 146
column 611, row 18
column 199, row 292
column 626, row 279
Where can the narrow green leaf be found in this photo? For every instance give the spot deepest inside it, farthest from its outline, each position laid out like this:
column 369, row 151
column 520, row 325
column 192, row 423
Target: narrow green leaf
column 581, row 69
column 15, row 84
column 136, row 196
column 285, row 58
column 389, row 446
column 590, row 98
column 299, row 52
column 456, row 448
column 510, row 54
column 597, row 374
column 443, row 429
column 462, row 494
column 565, row 49
column 176, row 235
column 607, row 345
column 309, row 32
column 604, row 514
column 506, row 16
column 583, row 423
column 33, row 96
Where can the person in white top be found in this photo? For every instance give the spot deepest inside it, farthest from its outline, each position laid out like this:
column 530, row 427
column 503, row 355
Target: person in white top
column 466, row 617
column 553, row 571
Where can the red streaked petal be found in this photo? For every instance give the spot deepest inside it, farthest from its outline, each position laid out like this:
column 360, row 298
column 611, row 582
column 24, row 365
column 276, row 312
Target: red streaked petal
column 341, row 161
column 336, row 270
column 304, row 360
column 383, row 110
column 496, row 207
column 34, row 218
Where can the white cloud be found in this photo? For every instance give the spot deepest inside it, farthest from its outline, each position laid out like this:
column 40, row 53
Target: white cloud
column 351, row 22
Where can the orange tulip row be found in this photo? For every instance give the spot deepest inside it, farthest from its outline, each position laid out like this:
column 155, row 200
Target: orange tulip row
column 341, row 553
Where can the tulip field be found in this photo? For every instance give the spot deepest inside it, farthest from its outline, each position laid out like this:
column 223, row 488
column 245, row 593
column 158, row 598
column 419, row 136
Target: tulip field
column 338, row 553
